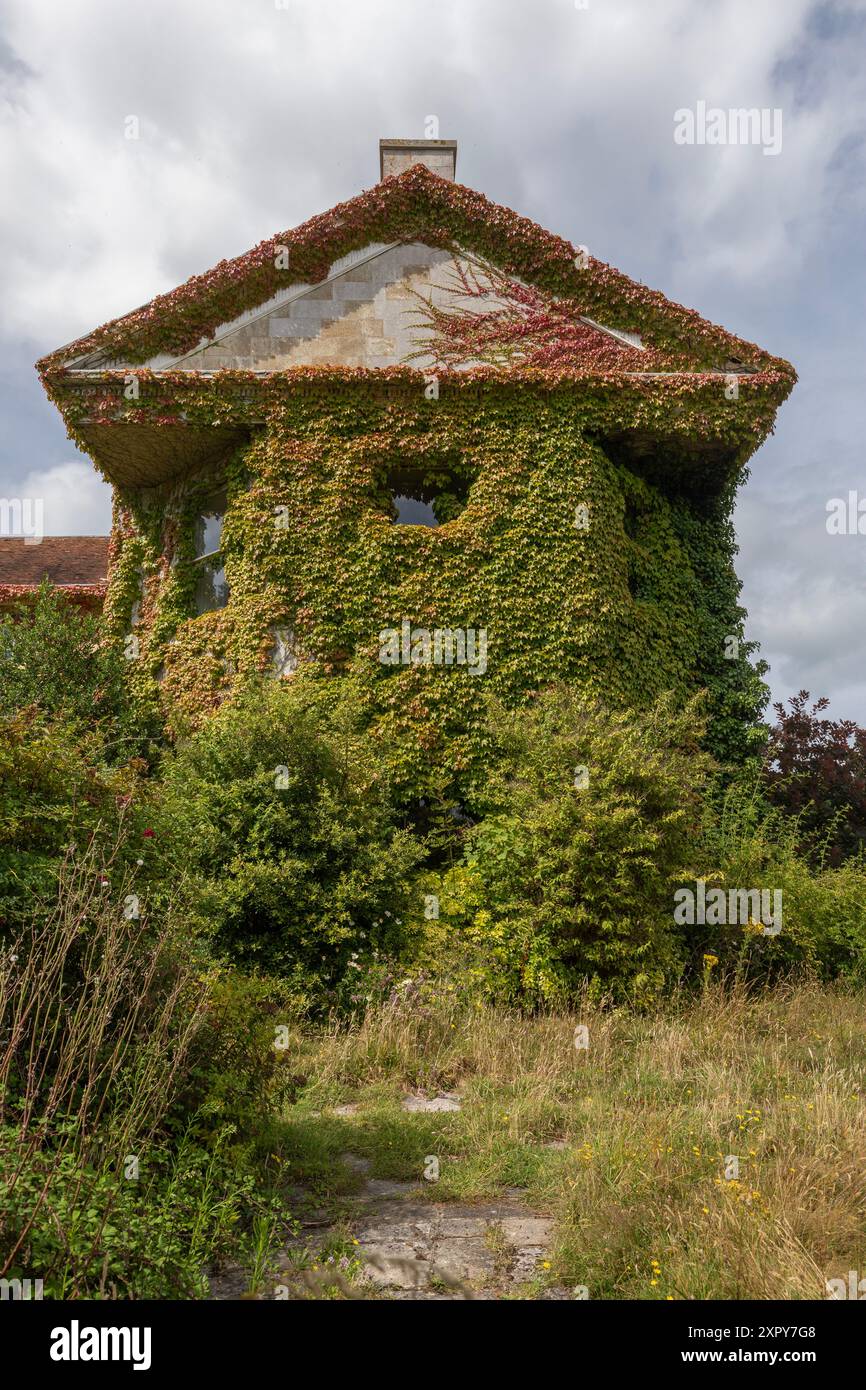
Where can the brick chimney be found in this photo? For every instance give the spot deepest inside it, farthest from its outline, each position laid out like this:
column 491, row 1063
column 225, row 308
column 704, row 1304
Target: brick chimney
column 395, row 156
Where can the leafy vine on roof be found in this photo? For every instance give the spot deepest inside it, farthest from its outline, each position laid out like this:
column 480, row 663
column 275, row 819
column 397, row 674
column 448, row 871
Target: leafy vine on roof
column 507, row 324
column 415, row 205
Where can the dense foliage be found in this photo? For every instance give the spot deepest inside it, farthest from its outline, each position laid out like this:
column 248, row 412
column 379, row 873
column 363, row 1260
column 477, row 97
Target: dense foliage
column 281, row 844
column 747, row 842
column 641, row 599
column 55, row 659
column 569, row 877
column 57, row 796
column 127, row 1065
column 165, row 923
column 816, row 773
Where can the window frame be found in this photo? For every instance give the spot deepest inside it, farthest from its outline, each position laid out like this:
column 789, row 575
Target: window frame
column 207, row 557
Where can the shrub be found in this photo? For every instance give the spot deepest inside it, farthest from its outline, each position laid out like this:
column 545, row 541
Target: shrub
column 119, row 1042
column 55, row 789
column 234, row 1068
column 55, row 659
column 748, row 843
column 276, row 825
column 816, row 772
column 569, row 878
column 69, row 741
column 88, row 1231
column 96, row 1013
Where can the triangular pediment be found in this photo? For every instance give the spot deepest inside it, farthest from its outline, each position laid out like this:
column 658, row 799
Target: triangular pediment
column 344, row 290
column 363, row 314
column 378, row 307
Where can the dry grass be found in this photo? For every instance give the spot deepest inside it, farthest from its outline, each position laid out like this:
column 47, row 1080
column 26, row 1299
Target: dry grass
column 651, row 1114
column 95, row 1024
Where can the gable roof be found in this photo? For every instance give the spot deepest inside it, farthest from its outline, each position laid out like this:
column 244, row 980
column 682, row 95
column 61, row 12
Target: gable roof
column 67, row 561
column 414, row 206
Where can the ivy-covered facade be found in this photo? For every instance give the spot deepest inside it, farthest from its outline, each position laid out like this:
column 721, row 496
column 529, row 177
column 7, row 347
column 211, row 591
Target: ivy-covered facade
column 541, row 489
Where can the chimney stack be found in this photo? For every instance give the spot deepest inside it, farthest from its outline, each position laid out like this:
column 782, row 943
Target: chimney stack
column 396, row 156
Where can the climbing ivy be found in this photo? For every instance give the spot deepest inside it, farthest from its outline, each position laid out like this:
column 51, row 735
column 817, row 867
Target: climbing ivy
column 574, row 560
column 585, row 490
column 415, row 205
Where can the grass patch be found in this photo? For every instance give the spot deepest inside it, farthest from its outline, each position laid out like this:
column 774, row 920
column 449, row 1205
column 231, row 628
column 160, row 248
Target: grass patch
column 711, row 1150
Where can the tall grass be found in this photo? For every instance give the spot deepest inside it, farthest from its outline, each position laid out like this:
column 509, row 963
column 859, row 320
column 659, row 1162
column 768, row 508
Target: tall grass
column 98, row 1010
column 627, row 1143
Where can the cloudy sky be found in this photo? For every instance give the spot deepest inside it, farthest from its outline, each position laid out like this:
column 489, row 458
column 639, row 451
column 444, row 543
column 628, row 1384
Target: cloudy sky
column 255, row 114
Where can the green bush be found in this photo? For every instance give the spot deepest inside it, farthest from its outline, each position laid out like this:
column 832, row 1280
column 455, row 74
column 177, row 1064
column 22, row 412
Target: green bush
column 569, row 878
column 747, row 843
column 69, row 749
column 97, row 1009
column 55, row 659
column 56, row 792
column 235, row 1068
column 88, row 1231
column 276, row 827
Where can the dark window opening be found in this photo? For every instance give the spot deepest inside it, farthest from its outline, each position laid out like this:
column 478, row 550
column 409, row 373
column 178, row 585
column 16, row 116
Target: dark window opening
column 209, row 526
column 211, row 590
column 428, row 498
column 411, row 511
column 639, row 577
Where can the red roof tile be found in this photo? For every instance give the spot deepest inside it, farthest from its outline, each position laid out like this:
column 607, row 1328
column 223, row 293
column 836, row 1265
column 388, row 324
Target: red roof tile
column 65, row 560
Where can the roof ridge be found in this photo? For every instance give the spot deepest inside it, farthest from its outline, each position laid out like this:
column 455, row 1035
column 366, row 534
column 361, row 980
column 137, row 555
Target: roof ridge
column 416, row 205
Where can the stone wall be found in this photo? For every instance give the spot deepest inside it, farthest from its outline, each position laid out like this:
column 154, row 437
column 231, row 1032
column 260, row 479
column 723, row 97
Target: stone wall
column 363, row 315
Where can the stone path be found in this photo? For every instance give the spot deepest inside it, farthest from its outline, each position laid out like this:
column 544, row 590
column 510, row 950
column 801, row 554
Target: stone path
column 415, row 1248
column 420, row 1105
column 412, row 1247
